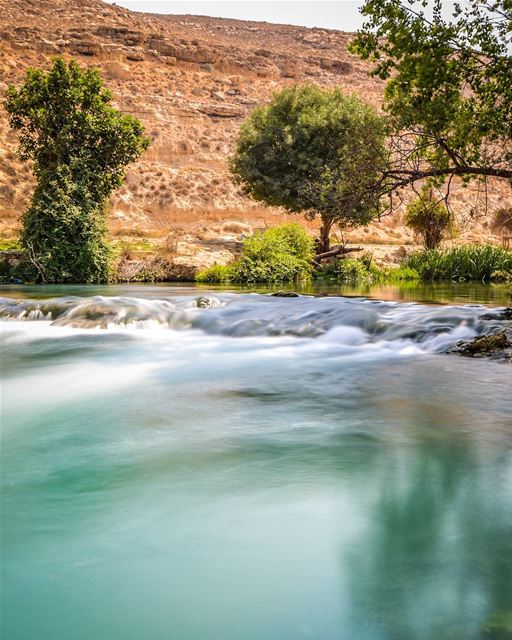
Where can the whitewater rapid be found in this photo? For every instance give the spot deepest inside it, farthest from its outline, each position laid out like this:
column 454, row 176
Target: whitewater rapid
column 353, row 324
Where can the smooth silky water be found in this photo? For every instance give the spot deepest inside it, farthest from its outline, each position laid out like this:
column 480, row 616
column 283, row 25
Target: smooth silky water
column 267, row 468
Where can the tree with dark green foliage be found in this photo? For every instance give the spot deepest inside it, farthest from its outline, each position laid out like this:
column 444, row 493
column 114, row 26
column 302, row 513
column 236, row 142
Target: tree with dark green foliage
column 80, row 146
column 429, row 217
column 449, row 86
column 314, row 151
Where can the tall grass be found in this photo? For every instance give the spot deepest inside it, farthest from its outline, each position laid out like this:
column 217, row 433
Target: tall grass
column 463, row 264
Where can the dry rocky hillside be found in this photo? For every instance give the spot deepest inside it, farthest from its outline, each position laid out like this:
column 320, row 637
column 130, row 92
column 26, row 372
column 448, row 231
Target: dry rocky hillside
column 191, row 80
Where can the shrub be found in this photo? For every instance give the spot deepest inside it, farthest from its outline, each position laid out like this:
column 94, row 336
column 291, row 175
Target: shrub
column 279, row 254
column 5, row 270
column 402, row 274
column 429, row 218
column 350, row 270
column 465, row 263
column 218, row 274
column 502, row 221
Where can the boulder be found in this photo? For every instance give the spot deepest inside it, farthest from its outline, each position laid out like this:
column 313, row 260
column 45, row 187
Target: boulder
column 497, row 346
column 118, row 70
column 207, row 302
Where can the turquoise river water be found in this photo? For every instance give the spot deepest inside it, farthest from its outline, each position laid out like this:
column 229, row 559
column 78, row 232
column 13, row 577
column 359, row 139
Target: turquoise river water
column 255, row 468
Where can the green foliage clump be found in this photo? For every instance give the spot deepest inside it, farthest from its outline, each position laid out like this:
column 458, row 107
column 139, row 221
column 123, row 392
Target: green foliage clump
column 313, row 151
column 279, row 254
column 464, row 263
column 9, row 245
column 80, row 146
column 429, row 218
column 63, row 231
column 217, row 274
column 448, row 83
column 402, row 274
column 6, row 270
column 351, row 270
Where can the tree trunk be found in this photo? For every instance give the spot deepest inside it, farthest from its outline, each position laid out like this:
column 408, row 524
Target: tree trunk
column 323, row 243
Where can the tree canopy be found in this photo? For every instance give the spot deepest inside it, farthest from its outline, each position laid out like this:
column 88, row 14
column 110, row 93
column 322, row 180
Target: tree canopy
column 449, row 86
column 80, row 146
column 313, row 151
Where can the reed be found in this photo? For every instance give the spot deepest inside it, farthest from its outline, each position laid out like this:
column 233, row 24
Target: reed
column 464, row 263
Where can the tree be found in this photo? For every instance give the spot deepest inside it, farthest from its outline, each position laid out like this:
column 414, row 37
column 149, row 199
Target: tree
column 429, row 217
column 449, row 88
column 80, row 146
column 316, row 152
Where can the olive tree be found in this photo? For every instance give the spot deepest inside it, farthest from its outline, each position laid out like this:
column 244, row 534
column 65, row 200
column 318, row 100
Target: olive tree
column 80, row 146
column 314, row 151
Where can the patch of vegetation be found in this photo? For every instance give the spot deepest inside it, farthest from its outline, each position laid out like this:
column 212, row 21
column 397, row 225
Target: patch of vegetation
column 15, row 270
column 465, row 263
column 364, row 271
column 218, row 274
column 430, row 218
column 280, row 254
column 9, row 245
column 402, row 274
column 349, row 270
column 133, row 247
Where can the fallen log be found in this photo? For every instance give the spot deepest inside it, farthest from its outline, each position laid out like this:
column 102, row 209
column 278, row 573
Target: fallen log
column 336, row 251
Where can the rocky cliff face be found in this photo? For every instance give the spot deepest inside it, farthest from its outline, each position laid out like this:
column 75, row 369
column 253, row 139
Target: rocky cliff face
column 191, row 80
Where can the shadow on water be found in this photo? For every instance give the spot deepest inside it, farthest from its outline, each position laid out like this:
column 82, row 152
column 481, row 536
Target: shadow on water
column 438, row 520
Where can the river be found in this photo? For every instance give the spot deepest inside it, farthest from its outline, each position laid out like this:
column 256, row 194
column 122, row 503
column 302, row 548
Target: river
column 258, row 468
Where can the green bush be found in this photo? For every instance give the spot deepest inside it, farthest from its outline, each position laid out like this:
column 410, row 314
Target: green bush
column 218, row 274
column 429, row 218
column 402, row 274
column 464, row 263
column 350, row 270
column 280, row 254
column 5, row 270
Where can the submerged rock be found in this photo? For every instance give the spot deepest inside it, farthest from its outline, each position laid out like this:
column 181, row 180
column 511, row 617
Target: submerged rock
column 285, row 294
column 504, row 314
column 497, row 346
